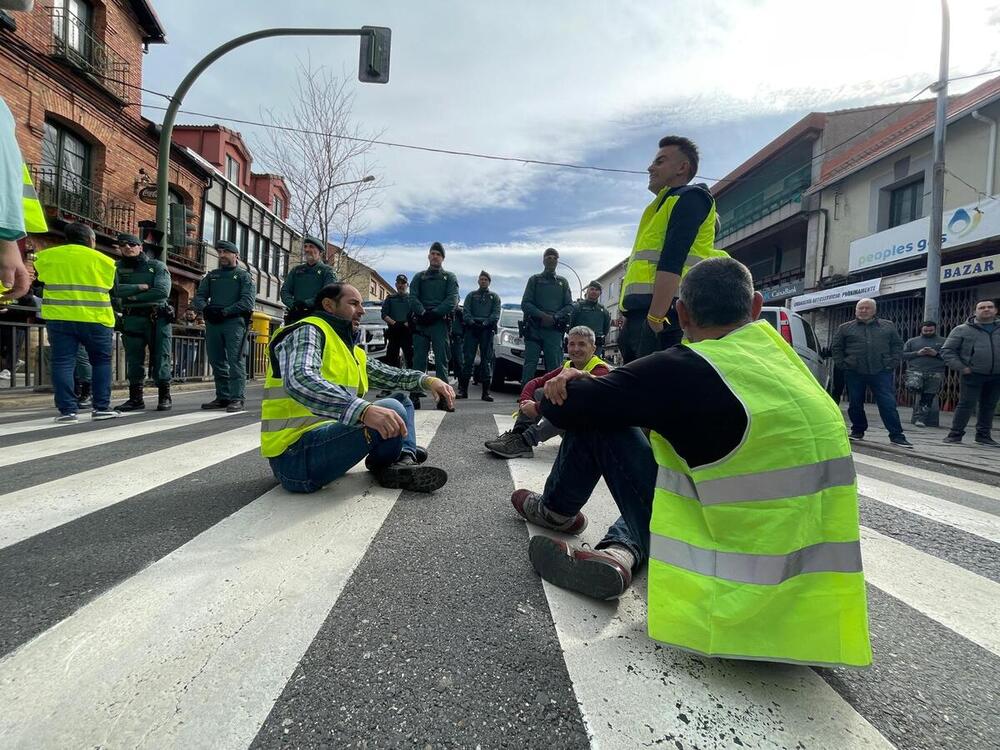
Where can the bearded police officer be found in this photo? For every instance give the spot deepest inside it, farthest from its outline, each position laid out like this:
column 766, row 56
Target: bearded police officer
column 547, row 304
column 435, row 294
column 225, row 298
column 298, row 292
column 591, row 313
column 142, row 288
column 482, row 313
column 676, row 231
column 398, row 311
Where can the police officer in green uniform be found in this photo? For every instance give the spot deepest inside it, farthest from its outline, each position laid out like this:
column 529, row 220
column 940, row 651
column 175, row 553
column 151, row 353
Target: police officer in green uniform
column 547, row 305
column 591, row 313
column 225, row 298
column 142, row 288
column 398, row 312
column 435, row 293
column 456, row 335
column 482, row 313
column 303, row 282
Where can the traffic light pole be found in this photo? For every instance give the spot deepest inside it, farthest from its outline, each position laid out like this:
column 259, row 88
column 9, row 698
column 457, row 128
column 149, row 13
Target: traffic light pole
column 167, row 128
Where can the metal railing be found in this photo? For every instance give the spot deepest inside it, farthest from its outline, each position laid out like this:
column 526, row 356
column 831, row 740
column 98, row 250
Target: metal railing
column 191, row 257
column 69, row 197
column 767, row 201
column 74, row 40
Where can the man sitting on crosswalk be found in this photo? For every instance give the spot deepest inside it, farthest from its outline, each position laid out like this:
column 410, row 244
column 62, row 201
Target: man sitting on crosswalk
column 315, row 421
column 743, row 500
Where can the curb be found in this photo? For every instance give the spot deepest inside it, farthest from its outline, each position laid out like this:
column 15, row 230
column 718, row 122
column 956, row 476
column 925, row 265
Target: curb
column 891, row 450
column 30, row 398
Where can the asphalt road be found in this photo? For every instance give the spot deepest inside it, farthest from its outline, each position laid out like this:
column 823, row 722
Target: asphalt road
column 158, row 590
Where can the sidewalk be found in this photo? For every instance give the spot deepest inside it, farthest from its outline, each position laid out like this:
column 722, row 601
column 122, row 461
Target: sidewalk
column 23, row 399
column 927, row 442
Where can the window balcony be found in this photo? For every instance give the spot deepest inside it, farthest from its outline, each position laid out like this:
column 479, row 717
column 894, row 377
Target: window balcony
column 74, row 41
column 767, row 201
column 189, row 257
column 68, row 197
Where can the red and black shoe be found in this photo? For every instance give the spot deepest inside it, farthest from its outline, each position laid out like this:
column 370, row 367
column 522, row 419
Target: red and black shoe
column 529, row 506
column 591, row 572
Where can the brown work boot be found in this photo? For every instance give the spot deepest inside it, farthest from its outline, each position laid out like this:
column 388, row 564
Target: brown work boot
column 529, row 506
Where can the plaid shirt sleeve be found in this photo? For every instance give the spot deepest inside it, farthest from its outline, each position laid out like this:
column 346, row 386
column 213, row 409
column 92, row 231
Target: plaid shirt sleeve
column 381, row 375
column 300, row 356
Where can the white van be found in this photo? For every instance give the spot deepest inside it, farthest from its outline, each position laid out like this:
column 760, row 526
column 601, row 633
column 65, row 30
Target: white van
column 799, row 334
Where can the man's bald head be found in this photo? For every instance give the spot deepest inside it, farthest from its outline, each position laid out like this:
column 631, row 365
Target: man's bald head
column 865, row 309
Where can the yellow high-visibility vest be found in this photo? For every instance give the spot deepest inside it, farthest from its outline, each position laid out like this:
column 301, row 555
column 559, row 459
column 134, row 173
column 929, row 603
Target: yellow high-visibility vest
column 758, row 555
column 591, row 364
column 283, row 419
column 34, row 215
column 640, row 274
column 77, row 281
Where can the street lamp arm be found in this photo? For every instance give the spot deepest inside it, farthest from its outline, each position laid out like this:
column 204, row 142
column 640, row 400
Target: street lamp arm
column 167, row 128
column 578, row 280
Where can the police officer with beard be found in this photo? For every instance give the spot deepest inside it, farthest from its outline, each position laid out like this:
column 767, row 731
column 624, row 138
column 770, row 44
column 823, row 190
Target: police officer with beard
column 225, row 298
column 303, row 282
column 142, row 288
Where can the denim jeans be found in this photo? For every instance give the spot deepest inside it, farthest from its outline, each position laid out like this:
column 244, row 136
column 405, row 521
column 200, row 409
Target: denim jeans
column 328, row 452
column 625, row 460
column 65, row 338
column 885, row 399
column 981, row 390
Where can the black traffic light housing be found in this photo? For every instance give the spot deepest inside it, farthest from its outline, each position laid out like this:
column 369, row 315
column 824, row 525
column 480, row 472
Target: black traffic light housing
column 152, row 239
column 373, row 64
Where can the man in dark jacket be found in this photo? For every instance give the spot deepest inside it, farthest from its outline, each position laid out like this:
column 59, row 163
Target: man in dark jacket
column 869, row 349
column 973, row 349
column 398, row 311
column 924, row 373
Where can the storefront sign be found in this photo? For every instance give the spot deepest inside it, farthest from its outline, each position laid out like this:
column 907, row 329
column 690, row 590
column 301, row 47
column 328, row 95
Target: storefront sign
column 147, row 194
column 967, row 269
column 827, row 297
column 962, row 226
column 780, row 291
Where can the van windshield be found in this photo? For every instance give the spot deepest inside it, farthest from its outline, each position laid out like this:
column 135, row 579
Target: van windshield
column 509, row 318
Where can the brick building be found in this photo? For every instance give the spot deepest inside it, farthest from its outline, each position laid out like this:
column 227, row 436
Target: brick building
column 244, row 207
column 69, row 71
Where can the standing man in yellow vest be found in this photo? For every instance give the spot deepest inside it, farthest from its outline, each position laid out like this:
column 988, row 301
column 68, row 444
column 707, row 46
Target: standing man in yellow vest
column 744, row 499
column 315, row 421
column 76, row 307
column 676, row 231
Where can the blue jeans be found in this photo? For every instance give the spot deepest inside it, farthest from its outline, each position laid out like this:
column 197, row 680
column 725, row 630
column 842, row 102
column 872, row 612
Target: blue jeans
column 328, row 452
column 885, row 399
column 65, row 338
column 625, row 460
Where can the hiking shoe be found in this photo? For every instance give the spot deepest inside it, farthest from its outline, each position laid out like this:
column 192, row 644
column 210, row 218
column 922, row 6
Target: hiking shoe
column 952, row 439
column 510, row 445
column 99, row 415
column 590, row 572
column 234, row 406
column 442, row 405
column 857, row 436
column 405, row 476
column 988, row 441
column 218, row 403
column 66, row 419
column 420, row 454
column 529, row 506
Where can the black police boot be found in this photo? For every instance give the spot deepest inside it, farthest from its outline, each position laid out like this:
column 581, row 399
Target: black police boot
column 463, row 388
column 216, row 403
column 486, row 393
column 83, row 397
column 135, row 402
column 164, row 403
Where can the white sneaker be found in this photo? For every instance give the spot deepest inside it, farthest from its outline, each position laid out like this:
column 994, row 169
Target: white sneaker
column 100, row 414
column 4, row 374
column 66, row 419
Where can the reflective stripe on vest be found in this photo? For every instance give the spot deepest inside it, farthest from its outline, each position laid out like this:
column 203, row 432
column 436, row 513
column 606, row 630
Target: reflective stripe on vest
column 757, row 555
column 34, row 214
column 283, row 419
column 77, row 283
column 640, row 274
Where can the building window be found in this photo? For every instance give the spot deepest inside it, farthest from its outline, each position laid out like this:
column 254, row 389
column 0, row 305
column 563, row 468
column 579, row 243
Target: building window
column 66, row 168
column 208, row 229
column 232, row 170
column 228, row 228
column 72, row 21
column 265, row 254
column 242, row 241
column 254, row 249
column 284, row 262
column 276, row 260
column 279, row 207
column 906, row 203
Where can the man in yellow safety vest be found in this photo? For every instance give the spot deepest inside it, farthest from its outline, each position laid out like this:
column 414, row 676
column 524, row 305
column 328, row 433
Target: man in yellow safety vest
column 743, row 500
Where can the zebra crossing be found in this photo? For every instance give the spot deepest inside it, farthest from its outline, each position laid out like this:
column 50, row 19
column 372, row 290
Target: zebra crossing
column 161, row 591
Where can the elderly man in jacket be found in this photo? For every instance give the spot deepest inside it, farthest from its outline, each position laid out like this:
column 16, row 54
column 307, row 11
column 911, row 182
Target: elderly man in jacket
column 869, row 349
column 973, row 349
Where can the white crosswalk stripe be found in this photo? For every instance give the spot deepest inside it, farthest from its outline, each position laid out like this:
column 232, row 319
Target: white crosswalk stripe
column 193, row 651
column 48, row 423
column 940, row 480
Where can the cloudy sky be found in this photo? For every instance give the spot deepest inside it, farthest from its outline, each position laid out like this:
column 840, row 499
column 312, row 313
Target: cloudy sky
column 585, row 82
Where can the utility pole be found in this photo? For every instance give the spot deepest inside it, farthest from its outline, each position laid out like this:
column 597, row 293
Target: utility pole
column 932, row 296
column 373, row 67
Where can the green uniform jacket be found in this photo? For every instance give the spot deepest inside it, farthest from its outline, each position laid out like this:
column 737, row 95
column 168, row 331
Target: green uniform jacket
column 435, row 291
column 482, row 307
column 546, row 293
column 458, row 323
column 304, row 282
column 593, row 315
column 128, row 277
column 398, row 307
column 228, row 288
